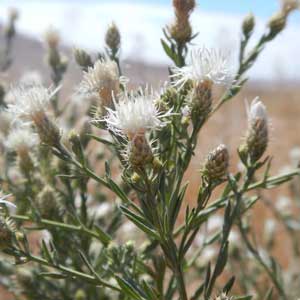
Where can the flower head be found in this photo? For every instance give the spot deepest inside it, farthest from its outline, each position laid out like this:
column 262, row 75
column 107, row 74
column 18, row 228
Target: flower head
column 257, row 136
column 205, row 65
column 134, row 114
column 29, row 100
column 101, row 80
column 257, row 111
column 113, row 37
column 216, row 164
column 30, row 105
column 21, row 138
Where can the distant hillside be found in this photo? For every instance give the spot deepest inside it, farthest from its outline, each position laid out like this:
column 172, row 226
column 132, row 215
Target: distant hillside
column 29, row 54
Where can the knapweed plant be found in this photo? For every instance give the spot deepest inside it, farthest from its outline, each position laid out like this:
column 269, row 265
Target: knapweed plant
column 94, row 189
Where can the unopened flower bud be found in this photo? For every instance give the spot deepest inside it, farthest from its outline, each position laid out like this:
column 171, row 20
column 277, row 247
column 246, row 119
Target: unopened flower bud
column 181, row 31
column 183, row 7
column 76, row 145
column 10, row 30
column 248, row 25
column 52, row 38
column 24, row 278
column 216, row 164
column 257, row 137
column 53, row 57
column 84, row 131
column 276, row 24
column 113, row 37
column 201, row 100
column 6, row 235
column 47, row 202
column 290, row 5
column 47, row 130
column 82, row 58
column 25, row 162
column 140, row 153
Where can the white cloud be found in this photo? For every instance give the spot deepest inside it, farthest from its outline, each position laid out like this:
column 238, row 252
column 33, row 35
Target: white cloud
column 84, row 24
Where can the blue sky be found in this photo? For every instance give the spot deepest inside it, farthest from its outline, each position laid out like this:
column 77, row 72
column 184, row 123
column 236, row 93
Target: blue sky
column 262, row 8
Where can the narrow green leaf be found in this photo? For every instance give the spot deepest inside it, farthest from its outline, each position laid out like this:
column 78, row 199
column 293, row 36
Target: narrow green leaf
column 128, row 289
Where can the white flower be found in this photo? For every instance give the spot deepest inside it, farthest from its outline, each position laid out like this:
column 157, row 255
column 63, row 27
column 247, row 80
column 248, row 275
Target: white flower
column 29, row 100
column 283, row 205
column 205, row 65
column 257, row 110
column 135, row 114
column 8, row 203
column 21, row 137
column 102, row 80
column 215, row 222
column 270, row 227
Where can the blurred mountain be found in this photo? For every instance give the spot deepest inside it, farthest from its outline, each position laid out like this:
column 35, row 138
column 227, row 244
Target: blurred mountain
column 30, row 55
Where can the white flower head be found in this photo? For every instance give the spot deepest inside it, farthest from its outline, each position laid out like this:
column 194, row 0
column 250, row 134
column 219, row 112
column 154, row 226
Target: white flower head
column 102, row 80
column 283, row 204
column 205, row 65
column 257, row 110
column 21, row 138
column 29, row 100
column 135, row 114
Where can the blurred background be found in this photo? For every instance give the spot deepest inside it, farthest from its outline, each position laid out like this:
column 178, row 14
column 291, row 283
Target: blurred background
column 275, row 77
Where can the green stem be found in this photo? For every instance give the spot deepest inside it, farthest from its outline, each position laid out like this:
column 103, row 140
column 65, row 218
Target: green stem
column 77, row 274
column 256, row 255
column 69, row 227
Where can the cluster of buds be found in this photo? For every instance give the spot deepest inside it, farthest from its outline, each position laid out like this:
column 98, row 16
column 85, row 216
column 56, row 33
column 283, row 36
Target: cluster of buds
column 257, row 137
column 181, row 30
column 47, row 203
column 216, row 164
column 113, row 38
